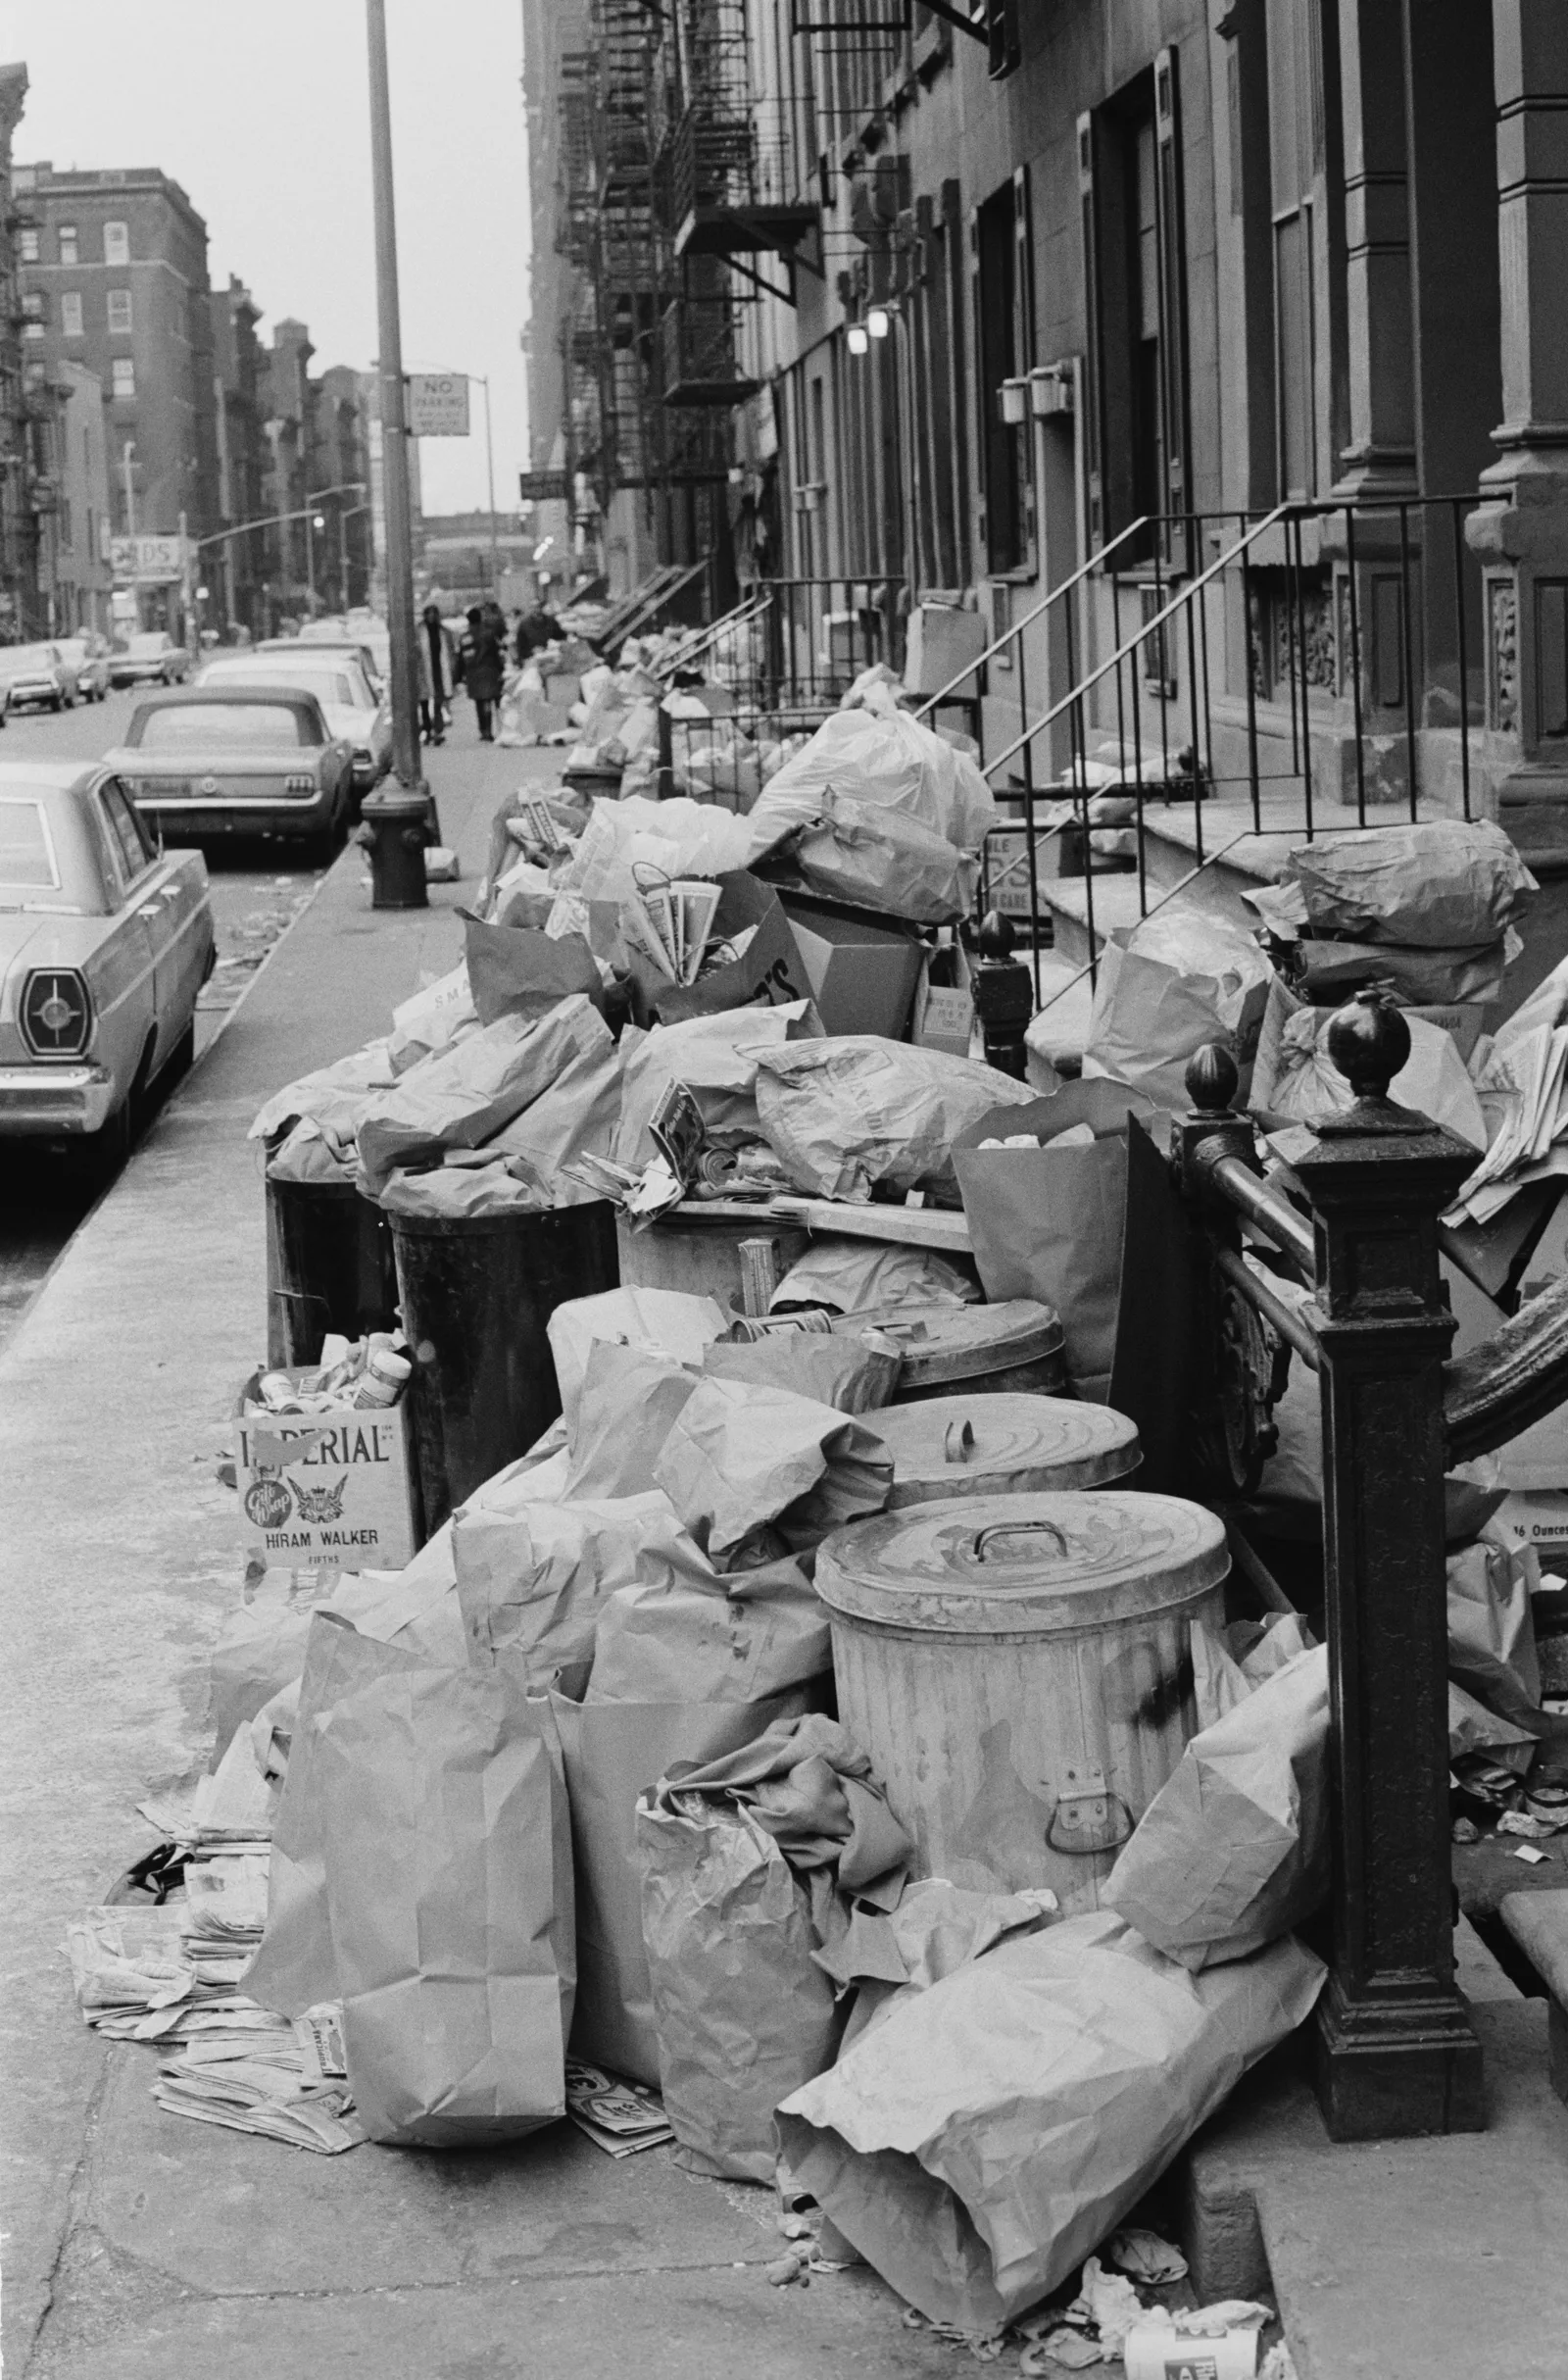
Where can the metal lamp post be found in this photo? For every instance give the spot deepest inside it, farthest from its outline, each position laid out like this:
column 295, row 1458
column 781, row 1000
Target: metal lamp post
column 394, row 418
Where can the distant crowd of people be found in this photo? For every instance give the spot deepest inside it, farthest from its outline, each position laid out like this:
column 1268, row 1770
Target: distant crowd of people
column 475, row 661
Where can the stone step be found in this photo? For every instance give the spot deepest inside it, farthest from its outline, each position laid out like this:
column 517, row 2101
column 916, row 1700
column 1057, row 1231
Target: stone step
column 1539, row 1923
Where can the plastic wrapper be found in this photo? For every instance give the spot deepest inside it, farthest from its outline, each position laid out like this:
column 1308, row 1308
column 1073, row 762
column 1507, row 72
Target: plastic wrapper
column 1491, row 1636
column 752, row 1469
column 978, row 2142
column 716, row 1057
column 879, row 858
column 448, row 1855
column 846, row 1115
column 1233, row 1850
column 534, row 1577
column 884, row 758
column 858, row 1276
column 1439, row 886
column 688, row 1633
column 1184, row 979
column 464, row 1096
column 677, row 838
column 662, row 1321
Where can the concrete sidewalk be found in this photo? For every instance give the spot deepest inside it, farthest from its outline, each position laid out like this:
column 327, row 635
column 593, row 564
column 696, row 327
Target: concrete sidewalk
column 136, row 2242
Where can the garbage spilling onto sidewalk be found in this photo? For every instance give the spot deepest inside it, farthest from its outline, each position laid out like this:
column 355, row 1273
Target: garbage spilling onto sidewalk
column 720, row 1663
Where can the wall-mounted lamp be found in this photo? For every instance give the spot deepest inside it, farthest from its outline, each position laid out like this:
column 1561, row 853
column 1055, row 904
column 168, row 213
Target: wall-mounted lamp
column 879, row 322
column 1014, row 396
column 1050, row 389
column 859, row 339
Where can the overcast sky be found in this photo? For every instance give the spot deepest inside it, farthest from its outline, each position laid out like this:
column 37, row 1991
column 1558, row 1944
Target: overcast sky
column 259, row 108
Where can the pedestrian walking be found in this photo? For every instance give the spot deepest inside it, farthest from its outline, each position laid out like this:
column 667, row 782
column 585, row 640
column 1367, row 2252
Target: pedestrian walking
column 536, row 629
column 436, row 674
column 480, row 658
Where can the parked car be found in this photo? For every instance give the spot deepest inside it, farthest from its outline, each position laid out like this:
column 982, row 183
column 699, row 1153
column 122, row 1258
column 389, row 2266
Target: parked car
column 151, row 659
column 88, row 657
column 341, row 640
column 339, row 684
column 37, row 673
column 105, row 941
column 229, row 759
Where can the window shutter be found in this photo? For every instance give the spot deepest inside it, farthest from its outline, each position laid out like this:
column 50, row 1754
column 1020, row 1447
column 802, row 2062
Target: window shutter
column 1002, row 38
column 981, row 545
column 1175, row 422
column 1093, row 373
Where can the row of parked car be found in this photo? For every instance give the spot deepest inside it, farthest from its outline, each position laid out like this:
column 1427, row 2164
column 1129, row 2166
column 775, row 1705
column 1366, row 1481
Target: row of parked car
column 106, row 929
column 68, row 669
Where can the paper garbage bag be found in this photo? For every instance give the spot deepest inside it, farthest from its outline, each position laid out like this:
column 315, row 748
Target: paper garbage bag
column 745, row 1459
column 577, row 1116
column 1181, row 981
column 981, row 2141
column 686, row 1633
column 613, row 1752
column 1234, row 1848
column 1439, row 885
column 878, row 859
column 716, row 1057
column 627, row 1408
column 743, row 2012
column 443, row 1812
column 296, row 1965
column 534, row 1577
column 332, row 1097
column 668, row 1323
column 846, row 1114
column 852, row 1376
column 461, row 1189
column 1491, row 1636
column 885, row 759
column 1472, row 1727
column 464, row 1095
column 515, row 972
column 1296, row 1080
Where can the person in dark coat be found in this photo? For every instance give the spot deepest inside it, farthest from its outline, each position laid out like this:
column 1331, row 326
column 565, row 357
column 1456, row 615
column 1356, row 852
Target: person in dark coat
column 482, row 661
column 536, row 629
column 437, row 679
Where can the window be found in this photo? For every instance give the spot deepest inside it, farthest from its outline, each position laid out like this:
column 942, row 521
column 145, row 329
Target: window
column 64, row 517
column 131, row 839
column 1129, row 180
column 70, row 314
column 32, row 317
column 27, row 852
column 246, row 726
column 117, row 243
column 69, row 251
column 123, row 377
column 28, row 245
column 1003, row 301
column 1297, row 161
column 120, row 316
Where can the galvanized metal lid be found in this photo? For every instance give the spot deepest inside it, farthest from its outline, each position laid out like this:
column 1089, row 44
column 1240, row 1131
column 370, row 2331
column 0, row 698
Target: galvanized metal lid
column 1023, row 1565
column 1002, row 1443
column 943, row 1344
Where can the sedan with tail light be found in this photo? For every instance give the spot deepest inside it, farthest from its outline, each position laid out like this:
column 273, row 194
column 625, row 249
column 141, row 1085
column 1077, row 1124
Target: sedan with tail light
column 106, row 940
column 252, row 759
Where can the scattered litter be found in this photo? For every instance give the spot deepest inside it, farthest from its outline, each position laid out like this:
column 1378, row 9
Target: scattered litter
column 1531, row 1857
column 620, row 2117
column 1146, row 2258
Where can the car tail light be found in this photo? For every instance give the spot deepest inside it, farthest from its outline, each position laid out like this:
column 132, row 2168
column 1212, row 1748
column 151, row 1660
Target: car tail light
column 56, row 1013
column 299, row 784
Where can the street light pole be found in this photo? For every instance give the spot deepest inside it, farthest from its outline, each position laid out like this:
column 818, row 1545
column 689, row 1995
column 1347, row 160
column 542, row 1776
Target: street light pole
column 393, row 411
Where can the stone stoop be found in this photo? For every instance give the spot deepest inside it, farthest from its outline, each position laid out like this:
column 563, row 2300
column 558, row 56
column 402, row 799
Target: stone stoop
column 1396, row 2259
column 1539, row 1923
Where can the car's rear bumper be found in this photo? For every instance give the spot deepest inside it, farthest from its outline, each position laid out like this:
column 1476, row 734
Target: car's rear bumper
column 40, row 1102
column 218, row 814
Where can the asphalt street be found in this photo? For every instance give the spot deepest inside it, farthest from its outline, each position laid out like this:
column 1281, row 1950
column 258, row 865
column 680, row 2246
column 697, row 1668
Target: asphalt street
column 256, row 891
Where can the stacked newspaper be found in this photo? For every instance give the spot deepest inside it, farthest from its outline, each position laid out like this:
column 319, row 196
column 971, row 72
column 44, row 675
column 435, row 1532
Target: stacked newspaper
column 282, row 2077
column 668, row 924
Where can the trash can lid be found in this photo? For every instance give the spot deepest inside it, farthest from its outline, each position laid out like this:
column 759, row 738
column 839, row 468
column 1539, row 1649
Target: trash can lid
column 957, row 1343
column 1031, row 1565
column 978, row 1444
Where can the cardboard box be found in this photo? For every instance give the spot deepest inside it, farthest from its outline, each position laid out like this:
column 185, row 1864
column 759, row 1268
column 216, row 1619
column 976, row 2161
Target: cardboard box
column 326, row 1491
column 1541, row 1516
column 1465, row 1019
column 939, row 640
column 943, row 1017
column 769, row 973
column 861, row 976
column 1007, row 869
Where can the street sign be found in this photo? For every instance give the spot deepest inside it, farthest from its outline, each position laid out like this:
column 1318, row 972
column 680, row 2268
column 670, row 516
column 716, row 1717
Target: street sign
column 438, row 404
column 545, row 487
column 149, row 562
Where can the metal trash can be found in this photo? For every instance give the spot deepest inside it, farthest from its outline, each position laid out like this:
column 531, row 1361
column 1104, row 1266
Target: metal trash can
column 476, row 1292
column 1019, row 1671
column 999, row 1444
column 1017, row 1345
column 329, row 1266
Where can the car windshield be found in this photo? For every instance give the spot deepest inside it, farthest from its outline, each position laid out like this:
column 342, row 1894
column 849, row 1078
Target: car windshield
column 26, row 852
column 147, row 645
column 328, row 686
column 26, row 657
column 246, row 726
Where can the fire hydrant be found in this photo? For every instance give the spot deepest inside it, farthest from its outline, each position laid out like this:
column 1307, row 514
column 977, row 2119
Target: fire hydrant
column 395, row 828
column 1003, row 995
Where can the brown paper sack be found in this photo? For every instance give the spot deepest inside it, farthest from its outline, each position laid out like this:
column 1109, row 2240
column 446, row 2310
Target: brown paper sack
column 448, row 1882
column 686, row 1632
column 295, row 1966
column 517, row 971
column 983, row 2138
column 1233, row 1850
column 744, row 2013
column 613, row 1752
column 742, row 1455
